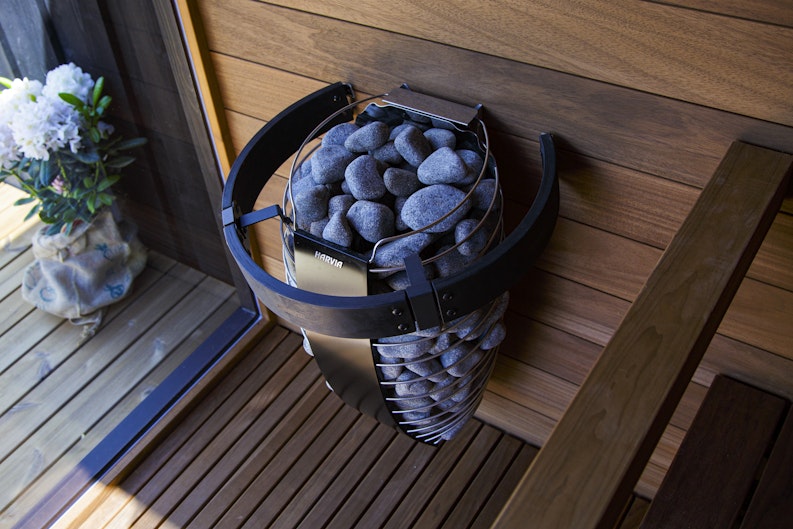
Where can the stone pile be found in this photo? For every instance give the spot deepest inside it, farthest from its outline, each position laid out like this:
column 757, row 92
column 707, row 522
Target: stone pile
column 392, row 174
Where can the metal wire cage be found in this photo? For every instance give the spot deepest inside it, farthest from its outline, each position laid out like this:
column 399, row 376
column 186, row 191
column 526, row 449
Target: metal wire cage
column 404, row 324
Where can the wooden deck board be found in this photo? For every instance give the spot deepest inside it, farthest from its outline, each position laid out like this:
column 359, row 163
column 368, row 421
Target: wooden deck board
column 270, row 446
column 60, row 393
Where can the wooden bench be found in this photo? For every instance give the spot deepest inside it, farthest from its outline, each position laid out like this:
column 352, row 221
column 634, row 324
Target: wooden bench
column 584, row 475
column 740, row 434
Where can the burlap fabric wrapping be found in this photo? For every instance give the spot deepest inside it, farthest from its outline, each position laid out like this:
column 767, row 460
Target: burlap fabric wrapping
column 75, row 276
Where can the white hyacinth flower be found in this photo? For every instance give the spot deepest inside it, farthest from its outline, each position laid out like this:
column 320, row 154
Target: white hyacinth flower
column 44, row 126
column 68, row 78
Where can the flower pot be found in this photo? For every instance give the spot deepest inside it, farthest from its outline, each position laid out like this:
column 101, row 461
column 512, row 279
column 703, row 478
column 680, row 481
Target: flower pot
column 76, row 276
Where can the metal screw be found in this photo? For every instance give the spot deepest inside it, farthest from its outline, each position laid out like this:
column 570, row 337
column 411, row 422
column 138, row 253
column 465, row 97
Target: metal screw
column 451, row 313
column 447, row 296
column 397, row 311
column 402, row 327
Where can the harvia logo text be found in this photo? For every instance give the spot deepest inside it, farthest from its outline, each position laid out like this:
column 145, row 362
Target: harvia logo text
column 332, row 261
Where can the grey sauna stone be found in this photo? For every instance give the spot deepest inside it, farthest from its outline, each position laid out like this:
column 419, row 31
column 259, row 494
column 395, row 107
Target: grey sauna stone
column 472, row 326
column 338, row 134
column 338, row 231
column 454, row 430
column 443, row 166
column 412, row 386
column 311, row 204
column 390, row 372
column 342, row 202
column 440, row 138
column 414, row 403
column 401, row 182
column 414, row 415
column 399, row 129
column 464, row 387
column 373, row 221
column 301, row 184
column 403, row 346
column 461, row 359
column 452, row 262
column 430, row 368
column 398, row 281
column 329, row 163
column 400, row 225
column 494, row 337
column 364, row 179
column 473, row 162
column 387, row 153
column 393, row 253
column 303, row 170
column 412, row 145
column 470, row 240
column 483, row 195
column 444, row 387
column 367, row 138
column 317, row 226
column 431, row 203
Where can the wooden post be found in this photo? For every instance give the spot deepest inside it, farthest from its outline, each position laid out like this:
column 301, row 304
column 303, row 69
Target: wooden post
column 583, row 476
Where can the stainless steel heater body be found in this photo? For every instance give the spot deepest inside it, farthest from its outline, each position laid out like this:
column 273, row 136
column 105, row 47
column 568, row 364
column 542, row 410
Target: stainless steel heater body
column 404, row 323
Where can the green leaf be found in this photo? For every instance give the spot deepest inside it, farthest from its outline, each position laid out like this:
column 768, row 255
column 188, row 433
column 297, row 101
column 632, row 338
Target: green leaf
column 87, row 157
column 131, row 143
column 72, row 100
column 100, row 84
column 24, row 200
column 107, row 182
column 106, row 199
column 119, row 162
column 103, row 104
column 32, row 212
column 5, row 81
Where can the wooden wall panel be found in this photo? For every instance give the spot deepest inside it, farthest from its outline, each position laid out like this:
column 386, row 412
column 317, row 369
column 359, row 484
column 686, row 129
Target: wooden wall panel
column 640, row 126
column 651, row 134
column 720, row 62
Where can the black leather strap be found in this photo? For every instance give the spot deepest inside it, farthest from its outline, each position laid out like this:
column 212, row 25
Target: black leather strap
column 379, row 315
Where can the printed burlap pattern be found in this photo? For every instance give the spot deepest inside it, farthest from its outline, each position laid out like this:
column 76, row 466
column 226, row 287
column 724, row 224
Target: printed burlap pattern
column 76, row 276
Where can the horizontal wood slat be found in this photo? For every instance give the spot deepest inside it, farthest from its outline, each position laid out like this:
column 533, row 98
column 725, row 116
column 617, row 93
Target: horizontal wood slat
column 776, row 12
column 590, row 463
column 728, row 63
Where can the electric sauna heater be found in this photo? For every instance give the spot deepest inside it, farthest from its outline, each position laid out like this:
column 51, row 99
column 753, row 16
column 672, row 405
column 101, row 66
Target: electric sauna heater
column 396, row 259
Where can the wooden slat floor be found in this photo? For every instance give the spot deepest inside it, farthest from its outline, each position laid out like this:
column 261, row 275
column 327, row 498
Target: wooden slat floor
column 271, row 446
column 60, row 394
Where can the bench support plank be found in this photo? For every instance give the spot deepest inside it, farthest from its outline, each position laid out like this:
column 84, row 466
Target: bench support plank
column 772, row 503
column 584, row 475
column 716, row 466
